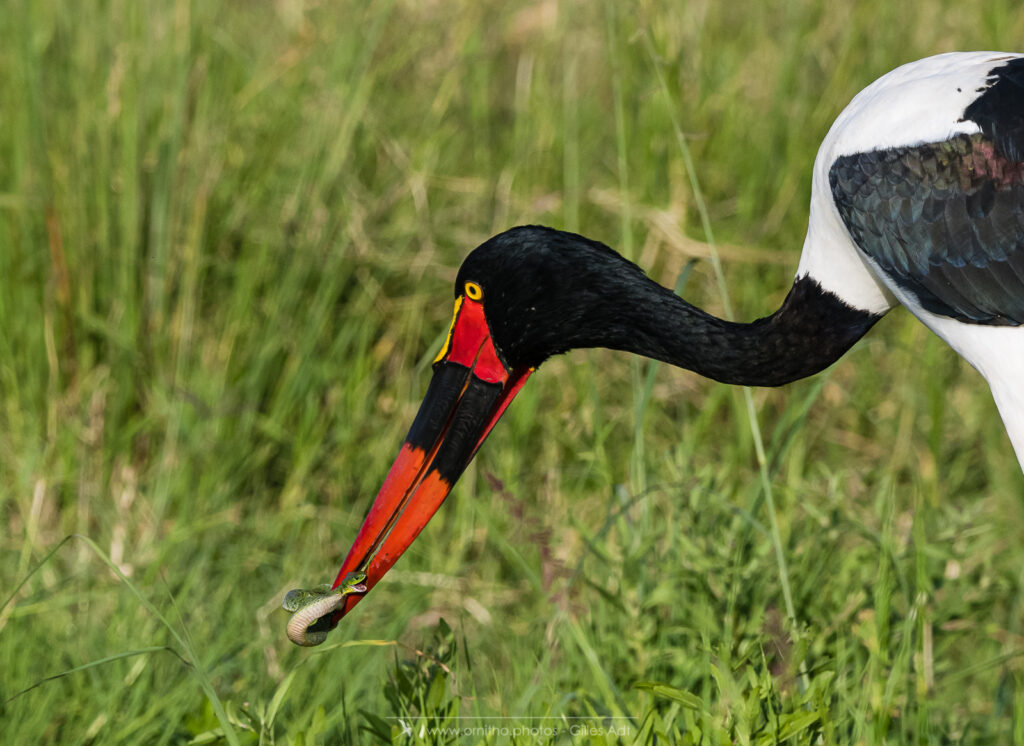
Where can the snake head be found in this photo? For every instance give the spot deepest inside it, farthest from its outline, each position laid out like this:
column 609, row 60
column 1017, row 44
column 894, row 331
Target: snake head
column 354, row 582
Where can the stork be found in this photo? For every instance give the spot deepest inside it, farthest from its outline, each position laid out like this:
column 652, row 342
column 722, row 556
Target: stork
column 917, row 199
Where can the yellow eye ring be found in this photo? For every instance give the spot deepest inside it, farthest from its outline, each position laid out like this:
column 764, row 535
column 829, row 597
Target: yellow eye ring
column 473, row 291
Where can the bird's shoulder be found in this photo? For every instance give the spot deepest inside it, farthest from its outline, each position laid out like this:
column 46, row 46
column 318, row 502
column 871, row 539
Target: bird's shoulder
column 926, row 169
column 928, row 101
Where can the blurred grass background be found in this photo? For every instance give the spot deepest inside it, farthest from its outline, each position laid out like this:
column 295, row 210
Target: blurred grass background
column 228, row 233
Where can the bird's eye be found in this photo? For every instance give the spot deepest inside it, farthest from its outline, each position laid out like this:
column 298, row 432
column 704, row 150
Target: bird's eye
column 473, row 291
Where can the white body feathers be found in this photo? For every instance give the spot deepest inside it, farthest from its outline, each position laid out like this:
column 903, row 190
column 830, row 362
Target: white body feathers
column 921, row 102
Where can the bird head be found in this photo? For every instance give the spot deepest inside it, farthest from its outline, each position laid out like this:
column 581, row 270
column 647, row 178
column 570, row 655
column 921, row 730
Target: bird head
column 520, row 297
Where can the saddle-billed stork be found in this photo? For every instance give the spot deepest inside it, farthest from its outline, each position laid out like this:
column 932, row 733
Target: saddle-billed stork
column 917, row 198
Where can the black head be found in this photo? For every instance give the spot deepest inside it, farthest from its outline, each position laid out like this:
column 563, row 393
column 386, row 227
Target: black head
column 547, row 291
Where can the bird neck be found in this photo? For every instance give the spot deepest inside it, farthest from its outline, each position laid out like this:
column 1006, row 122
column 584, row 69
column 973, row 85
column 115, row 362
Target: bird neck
column 811, row 330
column 550, row 291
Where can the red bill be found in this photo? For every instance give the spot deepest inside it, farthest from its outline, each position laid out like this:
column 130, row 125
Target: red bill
column 468, row 393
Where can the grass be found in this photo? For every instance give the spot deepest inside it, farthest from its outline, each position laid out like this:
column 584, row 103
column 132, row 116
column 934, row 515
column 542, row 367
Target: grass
column 228, row 233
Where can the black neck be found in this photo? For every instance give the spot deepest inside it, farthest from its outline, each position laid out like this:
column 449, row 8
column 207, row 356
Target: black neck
column 548, row 291
column 811, row 330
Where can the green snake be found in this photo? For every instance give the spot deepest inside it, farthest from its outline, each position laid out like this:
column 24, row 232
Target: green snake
column 312, row 608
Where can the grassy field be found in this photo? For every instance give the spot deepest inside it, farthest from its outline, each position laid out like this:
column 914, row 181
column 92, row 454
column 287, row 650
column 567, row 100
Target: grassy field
column 228, row 233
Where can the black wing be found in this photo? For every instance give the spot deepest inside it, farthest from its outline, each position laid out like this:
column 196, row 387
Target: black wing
column 945, row 221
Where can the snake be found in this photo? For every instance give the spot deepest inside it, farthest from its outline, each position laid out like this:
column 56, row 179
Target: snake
column 312, row 608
